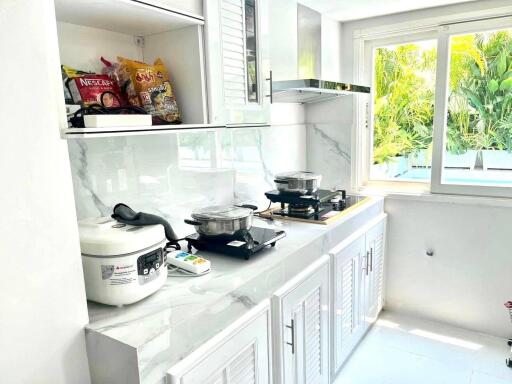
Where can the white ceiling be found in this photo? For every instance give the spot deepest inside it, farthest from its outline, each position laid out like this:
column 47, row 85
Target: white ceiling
column 345, row 10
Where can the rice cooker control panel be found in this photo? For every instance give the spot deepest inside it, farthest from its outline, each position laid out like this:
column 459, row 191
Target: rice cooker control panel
column 148, row 265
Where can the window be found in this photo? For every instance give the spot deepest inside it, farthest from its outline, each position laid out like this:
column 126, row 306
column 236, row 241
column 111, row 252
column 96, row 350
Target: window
column 441, row 109
column 403, row 110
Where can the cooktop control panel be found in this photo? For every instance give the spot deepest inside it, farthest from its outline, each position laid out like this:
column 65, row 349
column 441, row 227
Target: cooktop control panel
column 150, row 263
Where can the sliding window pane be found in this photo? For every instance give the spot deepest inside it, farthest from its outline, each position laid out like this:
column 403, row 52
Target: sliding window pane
column 479, row 122
column 403, row 108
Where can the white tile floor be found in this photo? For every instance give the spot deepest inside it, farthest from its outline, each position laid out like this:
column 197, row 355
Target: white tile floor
column 406, row 350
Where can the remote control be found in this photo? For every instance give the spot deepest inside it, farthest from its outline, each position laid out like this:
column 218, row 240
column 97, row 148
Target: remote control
column 188, row 262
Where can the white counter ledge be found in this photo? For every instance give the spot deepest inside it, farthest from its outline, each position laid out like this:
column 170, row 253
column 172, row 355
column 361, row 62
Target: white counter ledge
column 138, row 343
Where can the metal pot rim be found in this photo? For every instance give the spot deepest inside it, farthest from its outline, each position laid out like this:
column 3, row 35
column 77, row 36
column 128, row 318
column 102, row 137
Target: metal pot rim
column 221, row 213
column 298, row 175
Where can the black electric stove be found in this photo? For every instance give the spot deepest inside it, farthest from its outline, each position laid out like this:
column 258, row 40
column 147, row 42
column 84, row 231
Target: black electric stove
column 320, row 206
column 242, row 245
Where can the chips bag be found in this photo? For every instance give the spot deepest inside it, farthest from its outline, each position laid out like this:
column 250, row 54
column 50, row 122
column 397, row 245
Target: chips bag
column 148, row 86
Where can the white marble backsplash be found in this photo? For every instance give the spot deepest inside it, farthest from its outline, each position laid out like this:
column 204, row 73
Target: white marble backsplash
column 329, row 127
column 172, row 173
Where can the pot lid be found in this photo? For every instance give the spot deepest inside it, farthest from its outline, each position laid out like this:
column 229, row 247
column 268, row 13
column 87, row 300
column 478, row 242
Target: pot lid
column 221, row 212
column 298, row 175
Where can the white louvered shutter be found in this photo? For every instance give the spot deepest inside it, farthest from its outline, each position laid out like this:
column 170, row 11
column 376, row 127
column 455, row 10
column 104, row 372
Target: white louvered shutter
column 312, row 338
column 233, row 52
column 346, row 276
column 375, row 247
column 305, row 326
column 242, row 357
column 378, row 269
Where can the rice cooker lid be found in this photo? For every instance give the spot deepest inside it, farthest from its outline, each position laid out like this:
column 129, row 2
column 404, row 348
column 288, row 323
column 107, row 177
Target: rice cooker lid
column 221, row 212
column 106, row 237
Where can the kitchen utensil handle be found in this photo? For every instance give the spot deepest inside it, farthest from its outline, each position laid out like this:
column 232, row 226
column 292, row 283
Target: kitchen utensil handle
column 292, row 327
column 192, row 222
column 250, row 206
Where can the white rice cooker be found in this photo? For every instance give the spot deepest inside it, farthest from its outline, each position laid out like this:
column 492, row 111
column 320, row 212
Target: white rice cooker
column 122, row 263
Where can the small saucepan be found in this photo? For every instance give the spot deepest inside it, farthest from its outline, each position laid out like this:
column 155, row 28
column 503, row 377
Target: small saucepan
column 302, row 183
column 222, row 220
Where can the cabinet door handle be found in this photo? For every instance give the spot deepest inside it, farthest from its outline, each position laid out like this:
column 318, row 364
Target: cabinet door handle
column 371, row 259
column 292, row 344
column 269, row 79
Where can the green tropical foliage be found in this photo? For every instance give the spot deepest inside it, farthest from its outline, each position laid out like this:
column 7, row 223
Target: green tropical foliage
column 480, row 97
column 404, row 101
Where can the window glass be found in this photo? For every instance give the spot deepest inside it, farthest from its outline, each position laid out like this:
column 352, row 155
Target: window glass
column 250, row 50
column 403, row 110
column 479, row 120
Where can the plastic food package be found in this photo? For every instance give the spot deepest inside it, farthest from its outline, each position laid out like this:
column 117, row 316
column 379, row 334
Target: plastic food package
column 89, row 88
column 148, row 86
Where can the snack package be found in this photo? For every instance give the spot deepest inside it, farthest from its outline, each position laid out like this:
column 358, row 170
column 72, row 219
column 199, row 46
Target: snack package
column 148, row 86
column 94, row 89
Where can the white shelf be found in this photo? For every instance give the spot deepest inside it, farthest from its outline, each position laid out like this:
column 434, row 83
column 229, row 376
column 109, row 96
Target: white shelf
column 82, row 133
column 124, row 16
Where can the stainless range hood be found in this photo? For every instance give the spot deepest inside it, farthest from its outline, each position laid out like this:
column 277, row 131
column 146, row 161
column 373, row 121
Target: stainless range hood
column 310, row 87
column 312, row 90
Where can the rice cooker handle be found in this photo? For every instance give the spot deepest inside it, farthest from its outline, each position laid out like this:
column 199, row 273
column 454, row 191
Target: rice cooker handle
column 124, row 214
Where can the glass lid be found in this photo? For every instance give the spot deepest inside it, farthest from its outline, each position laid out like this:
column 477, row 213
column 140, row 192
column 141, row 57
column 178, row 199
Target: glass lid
column 298, row 175
column 221, row 212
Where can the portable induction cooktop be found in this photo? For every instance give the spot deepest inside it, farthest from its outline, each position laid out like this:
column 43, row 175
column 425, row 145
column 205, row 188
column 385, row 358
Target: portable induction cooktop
column 242, row 245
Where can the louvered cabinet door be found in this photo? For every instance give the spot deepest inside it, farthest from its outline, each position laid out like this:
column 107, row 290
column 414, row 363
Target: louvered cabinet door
column 375, row 245
column 348, row 272
column 301, row 319
column 237, row 356
column 237, row 45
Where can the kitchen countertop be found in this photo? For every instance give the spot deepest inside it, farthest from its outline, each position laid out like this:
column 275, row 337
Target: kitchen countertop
column 167, row 326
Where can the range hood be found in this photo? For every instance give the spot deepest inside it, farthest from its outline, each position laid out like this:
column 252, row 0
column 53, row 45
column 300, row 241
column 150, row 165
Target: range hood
column 312, row 90
column 311, row 52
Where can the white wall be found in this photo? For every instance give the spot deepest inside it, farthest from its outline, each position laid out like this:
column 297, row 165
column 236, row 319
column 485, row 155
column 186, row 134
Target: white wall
column 43, row 308
column 469, row 277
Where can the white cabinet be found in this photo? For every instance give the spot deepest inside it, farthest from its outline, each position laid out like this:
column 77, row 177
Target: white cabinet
column 347, row 271
column 301, row 325
column 237, row 50
column 375, row 271
column 239, row 354
column 357, row 288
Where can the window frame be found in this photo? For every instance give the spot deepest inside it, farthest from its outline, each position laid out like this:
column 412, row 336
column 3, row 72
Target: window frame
column 366, row 115
column 441, row 110
column 362, row 142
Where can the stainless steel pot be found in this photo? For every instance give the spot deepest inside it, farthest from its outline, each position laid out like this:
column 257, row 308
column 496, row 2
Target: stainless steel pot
column 222, row 220
column 298, row 182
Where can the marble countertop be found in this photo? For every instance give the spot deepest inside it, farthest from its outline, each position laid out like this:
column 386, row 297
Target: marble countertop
column 188, row 311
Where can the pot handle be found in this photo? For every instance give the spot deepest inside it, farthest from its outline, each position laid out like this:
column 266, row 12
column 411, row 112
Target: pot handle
column 250, row 206
column 192, row 222
column 281, row 182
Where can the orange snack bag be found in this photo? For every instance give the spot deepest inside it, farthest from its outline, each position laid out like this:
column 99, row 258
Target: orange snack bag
column 148, row 86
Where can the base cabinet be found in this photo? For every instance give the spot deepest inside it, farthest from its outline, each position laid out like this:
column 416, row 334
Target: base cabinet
column 357, row 289
column 316, row 320
column 301, row 326
column 240, row 354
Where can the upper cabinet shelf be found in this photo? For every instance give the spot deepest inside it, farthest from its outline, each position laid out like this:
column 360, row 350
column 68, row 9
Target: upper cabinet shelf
column 88, row 133
column 131, row 17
